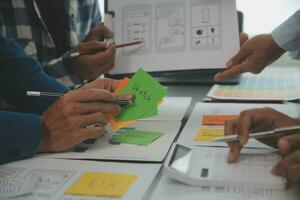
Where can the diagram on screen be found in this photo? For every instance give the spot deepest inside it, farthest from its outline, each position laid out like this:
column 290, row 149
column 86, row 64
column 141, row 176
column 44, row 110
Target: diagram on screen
column 206, row 25
column 137, row 26
column 170, row 26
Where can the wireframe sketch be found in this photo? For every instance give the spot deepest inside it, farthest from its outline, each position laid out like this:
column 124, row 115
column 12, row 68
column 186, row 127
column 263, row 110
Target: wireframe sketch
column 137, row 26
column 6, row 172
column 170, row 26
column 206, row 25
column 49, row 183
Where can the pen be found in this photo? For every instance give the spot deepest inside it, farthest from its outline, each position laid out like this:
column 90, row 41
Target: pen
column 264, row 134
column 70, row 55
column 120, row 102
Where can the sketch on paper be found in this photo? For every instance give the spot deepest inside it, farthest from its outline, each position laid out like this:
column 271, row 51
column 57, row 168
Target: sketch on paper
column 137, row 26
column 170, row 26
column 206, row 25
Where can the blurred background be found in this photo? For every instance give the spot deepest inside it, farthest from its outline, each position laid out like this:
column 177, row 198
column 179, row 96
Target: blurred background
column 262, row 16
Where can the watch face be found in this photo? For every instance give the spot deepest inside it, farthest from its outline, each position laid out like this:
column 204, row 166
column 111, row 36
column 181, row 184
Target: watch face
column 180, row 160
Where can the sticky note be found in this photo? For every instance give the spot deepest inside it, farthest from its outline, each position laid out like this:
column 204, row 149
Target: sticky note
column 206, row 135
column 148, row 93
column 217, row 119
column 136, row 137
column 117, row 125
column 102, row 184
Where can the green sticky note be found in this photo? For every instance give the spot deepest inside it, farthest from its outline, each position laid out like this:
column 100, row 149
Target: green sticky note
column 148, row 92
column 136, row 137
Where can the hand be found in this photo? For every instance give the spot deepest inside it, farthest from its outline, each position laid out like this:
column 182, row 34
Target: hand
column 255, row 54
column 95, row 59
column 66, row 121
column 289, row 167
column 99, row 33
column 255, row 120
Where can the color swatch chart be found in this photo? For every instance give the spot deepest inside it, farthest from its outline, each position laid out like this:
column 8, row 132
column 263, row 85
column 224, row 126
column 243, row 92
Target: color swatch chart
column 262, row 88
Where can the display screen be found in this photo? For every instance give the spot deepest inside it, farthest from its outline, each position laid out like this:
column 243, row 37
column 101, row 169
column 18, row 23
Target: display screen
column 180, row 160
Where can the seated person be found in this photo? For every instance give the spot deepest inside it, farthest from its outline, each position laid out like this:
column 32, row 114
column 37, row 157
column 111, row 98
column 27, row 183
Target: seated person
column 256, row 53
column 50, row 29
column 257, row 120
column 47, row 124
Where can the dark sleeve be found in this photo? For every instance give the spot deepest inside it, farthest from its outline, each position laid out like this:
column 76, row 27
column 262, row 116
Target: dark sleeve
column 19, row 135
column 19, row 74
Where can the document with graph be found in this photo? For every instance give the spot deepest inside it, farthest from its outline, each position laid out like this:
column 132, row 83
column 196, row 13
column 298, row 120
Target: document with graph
column 268, row 87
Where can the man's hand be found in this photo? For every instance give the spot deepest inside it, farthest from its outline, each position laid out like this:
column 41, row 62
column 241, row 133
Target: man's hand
column 99, row 33
column 95, row 59
column 289, row 167
column 255, row 120
column 255, row 54
column 66, row 121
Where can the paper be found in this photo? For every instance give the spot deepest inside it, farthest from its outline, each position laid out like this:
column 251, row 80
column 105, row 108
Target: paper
column 148, row 93
column 102, row 184
column 193, row 125
column 265, row 88
column 181, row 35
column 206, row 134
column 56, row 176
column 136, row 137
column 103, row 149
column 217, row 119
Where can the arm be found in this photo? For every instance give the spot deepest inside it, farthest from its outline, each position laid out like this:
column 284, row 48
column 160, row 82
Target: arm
column 20, row 135
column 287, row 35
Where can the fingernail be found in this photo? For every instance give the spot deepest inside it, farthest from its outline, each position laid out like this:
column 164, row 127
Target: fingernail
column 229, row 63
column 284, row 146
column 230, row 158
column 217, row 76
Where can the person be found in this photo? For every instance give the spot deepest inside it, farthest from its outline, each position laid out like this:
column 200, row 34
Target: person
column 47, row 124
column 262, row 119
column 50, row 30
column 262, row 50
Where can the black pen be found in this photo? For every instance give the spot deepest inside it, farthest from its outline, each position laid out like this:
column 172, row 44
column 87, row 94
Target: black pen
column 120, row 102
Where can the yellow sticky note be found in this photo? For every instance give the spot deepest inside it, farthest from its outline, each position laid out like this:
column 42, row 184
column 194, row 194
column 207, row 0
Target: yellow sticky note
column 206, row 135
column 102, row 184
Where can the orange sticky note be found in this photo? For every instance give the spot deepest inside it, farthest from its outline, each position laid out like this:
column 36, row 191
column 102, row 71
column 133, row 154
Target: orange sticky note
column 111, row 119
column 217, row 119
column 207, row 135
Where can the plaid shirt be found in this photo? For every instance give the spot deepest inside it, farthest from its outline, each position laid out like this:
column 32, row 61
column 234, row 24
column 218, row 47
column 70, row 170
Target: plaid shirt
column 21, row 20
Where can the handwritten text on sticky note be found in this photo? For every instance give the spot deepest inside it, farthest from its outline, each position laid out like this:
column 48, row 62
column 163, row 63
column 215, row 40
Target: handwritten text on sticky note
column 206, row 135
column 217, row 119
column 102, row 184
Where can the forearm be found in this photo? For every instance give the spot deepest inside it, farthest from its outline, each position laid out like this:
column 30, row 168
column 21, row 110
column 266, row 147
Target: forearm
column 20, row 135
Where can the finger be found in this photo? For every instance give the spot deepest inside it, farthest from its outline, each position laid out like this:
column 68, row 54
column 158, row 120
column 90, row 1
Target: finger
column 102, row 32
column 243, row 38
column 126, row 96
column 233, row 71
column 244, row 126
column 104, row 57
column 243, row 53
column 91, row 47
column 88, row 95
column 235, row 147
column 94, row 118
column 93, row 107
column 293, row 173
column 288, row 144
column 281, row 167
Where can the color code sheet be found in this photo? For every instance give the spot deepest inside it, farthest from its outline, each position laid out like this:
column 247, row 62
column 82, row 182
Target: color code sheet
column 279, row 87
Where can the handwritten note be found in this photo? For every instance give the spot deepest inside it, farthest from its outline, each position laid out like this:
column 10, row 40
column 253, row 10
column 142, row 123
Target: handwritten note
column 148, row 93
column 206, row 135
column 217, row 119
column 102, row 184
column 136, row 137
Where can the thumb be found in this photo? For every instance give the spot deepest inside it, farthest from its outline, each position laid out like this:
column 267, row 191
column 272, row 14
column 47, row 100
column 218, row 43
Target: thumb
column 91, row 47
column 289, row 144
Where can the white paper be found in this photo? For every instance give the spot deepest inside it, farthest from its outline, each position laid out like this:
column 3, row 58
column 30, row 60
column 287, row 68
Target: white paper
column 194, row 123
column 275, row 84
column 103, row 150
column 173, row 109
column 177, row 35
column 56, row 176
